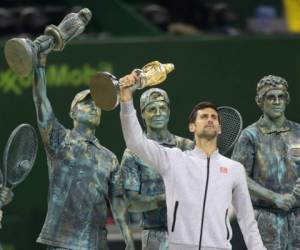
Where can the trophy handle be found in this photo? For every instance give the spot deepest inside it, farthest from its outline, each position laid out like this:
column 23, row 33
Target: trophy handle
column 54, row 32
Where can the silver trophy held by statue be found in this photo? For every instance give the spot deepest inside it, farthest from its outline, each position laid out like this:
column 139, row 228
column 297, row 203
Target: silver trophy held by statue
column 21, row 53
column 105, row 86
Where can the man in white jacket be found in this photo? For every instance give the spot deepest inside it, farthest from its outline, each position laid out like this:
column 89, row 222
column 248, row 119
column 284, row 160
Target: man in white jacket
column 200, row 184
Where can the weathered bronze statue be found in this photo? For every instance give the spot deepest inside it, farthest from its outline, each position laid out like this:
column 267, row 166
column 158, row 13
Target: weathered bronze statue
column 83, row 174
column 270, row 151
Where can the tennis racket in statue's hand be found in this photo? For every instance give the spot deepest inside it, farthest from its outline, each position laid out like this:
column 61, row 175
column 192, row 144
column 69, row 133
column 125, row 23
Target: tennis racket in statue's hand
column 18, row 159
column 231, row 127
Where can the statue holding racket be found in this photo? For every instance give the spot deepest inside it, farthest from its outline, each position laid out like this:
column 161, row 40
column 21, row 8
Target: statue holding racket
column 18, row 158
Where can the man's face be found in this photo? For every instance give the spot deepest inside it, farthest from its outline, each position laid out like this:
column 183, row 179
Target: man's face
column 206, row 124
column 274, row 103
column 87, row 112
column 156, row 115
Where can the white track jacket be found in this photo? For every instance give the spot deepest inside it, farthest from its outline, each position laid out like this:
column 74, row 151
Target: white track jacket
column 199, row 191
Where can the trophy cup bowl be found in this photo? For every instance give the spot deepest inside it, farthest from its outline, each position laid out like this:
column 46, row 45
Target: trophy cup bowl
column 105, row 90
column 20, row 55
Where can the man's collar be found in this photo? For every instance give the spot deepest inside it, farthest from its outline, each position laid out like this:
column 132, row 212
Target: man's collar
column 199, row 152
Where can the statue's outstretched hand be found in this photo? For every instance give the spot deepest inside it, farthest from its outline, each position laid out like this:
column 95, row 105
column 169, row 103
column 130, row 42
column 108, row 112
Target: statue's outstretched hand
column 44, row 45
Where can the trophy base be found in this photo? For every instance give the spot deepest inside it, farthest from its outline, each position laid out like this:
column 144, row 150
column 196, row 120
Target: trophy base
column 20, row 55
column 105, row 91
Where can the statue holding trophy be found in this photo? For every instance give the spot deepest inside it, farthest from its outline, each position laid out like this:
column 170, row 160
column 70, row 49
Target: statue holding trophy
column 105, row 86
column 83, row 174
column 21, row 53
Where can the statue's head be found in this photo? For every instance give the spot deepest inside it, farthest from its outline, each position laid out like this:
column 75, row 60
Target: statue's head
column 155, row 108
column 84, row 110
column 272, row 95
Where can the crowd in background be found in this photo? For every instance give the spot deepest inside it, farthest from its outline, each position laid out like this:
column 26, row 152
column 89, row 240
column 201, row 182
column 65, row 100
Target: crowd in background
column 187, row 17
column 221, row 17
column 27, row 17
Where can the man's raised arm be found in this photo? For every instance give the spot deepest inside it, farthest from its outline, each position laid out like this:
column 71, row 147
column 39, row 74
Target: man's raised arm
column 148, row 150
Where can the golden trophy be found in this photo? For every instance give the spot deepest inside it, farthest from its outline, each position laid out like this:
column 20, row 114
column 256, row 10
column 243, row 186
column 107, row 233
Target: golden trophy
column 21, row 53
column 105, row 86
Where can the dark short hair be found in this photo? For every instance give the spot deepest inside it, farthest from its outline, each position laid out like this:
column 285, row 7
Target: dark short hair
column 199, row 106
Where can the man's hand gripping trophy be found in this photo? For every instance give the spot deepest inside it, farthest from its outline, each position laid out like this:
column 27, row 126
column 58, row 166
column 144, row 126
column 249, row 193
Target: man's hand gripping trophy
column 107, row 90
column 126, row 86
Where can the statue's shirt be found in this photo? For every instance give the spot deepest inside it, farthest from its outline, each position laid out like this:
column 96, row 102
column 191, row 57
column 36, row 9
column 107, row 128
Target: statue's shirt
column 271, row 157
column 83, row 176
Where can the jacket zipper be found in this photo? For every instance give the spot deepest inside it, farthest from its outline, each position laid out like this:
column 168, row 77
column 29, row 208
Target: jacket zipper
column 174, row 216
column 226, row 214
column 204, row 202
